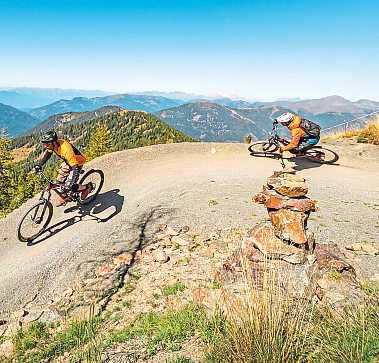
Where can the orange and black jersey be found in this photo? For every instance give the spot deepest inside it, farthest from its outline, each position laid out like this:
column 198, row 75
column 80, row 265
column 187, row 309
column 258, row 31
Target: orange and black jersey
column 67, row 152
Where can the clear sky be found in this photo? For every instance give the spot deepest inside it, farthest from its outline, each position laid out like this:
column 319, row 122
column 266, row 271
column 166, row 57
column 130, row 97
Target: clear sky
column 254, row 49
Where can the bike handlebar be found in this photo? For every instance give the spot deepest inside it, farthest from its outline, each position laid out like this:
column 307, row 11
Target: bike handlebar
column 41, row 174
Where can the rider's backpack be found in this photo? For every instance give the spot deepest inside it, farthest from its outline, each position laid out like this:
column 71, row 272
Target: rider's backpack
column 310, row 128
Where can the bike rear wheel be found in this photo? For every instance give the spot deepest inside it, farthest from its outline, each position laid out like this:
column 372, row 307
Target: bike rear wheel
column 321, row 155
column 263, row 148
column 35, row 221
column 96, row 178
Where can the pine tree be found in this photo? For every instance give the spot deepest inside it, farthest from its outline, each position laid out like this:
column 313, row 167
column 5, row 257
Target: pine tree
column 100, row 143
column 6, row 173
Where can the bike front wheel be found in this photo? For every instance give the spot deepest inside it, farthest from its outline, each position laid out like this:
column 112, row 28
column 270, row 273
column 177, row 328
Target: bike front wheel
column 96, row 179
column 35, row 221
column 321, row 155
column 263, row 148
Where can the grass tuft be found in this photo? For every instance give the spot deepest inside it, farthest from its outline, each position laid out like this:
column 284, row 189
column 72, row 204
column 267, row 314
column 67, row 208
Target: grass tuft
column 173, row 289
column 265, row 325
column 166, row 331
column 351, row 337
column 370, row 134
column 36, row 344
column 180, row 359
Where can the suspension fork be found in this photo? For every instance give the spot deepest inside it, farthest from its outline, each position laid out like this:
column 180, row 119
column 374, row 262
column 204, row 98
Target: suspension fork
column 46, row 201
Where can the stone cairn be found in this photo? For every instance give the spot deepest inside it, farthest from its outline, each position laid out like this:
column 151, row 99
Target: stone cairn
column 289, row 208
column 319, row 268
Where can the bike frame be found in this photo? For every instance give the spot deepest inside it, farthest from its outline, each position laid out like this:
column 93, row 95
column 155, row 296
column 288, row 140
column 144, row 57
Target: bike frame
column 51, row 186
column 275, row 138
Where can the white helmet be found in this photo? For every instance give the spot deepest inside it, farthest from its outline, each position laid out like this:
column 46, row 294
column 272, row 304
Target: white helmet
column 285, row 118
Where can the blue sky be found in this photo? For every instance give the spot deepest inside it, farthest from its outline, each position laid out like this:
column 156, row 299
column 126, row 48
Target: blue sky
column 253, row 49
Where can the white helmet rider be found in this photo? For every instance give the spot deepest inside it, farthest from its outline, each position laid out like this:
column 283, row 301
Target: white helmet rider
column 285, row 118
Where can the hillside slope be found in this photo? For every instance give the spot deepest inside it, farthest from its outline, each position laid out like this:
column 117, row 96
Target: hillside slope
column 209, row 121
column 55, row 121
column 128, row 129
column 175, row 184
column 15, row 121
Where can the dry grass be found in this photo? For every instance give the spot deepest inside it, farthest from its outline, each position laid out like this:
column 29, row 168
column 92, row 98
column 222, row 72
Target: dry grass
column 341, row 135
column 369, row 135
column 22, row 153
column 266, row 325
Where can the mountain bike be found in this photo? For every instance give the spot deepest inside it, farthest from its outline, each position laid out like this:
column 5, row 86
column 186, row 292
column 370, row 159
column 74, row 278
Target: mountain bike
column 37, row 218
column 268, row 148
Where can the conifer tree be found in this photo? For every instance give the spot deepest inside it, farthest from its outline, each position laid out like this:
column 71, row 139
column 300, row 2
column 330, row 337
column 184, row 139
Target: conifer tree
column 6, row 172
column 100, row 143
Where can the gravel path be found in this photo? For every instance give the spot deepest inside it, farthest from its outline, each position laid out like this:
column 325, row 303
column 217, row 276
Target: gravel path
column 207, row 186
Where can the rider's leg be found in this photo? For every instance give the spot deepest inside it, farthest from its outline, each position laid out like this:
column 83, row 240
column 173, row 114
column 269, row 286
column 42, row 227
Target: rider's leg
column 308, row 144
column 77, row 187
column 63, row 173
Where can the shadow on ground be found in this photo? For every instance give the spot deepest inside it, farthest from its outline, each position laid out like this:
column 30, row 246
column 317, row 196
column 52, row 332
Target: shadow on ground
column 299, row 163
column 106, row 206
column 139, row 233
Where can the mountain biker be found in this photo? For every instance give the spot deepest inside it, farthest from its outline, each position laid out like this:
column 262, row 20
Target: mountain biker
column 69, row 170
column 305, row 134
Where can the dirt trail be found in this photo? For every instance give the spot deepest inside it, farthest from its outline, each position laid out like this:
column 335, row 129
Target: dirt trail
column 205, row 186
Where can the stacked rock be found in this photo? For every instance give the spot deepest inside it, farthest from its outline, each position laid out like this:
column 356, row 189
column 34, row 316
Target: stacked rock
column 285, row 238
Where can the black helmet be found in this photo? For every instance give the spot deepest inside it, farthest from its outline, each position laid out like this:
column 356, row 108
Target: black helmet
column 49, row 137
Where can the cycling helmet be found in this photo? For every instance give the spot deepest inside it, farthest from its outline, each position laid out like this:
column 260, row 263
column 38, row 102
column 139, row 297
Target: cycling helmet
column 49, row 137
column 285, row 118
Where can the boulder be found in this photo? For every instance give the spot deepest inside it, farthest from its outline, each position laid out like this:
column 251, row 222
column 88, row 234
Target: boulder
column 329, row 258
column 333, row 279
column 287, row 184
column 263, row 237
column 289, row 225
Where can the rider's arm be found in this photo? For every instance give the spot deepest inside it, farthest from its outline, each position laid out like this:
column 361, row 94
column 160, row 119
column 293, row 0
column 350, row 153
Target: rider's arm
column 297, row 134
column 46, row 156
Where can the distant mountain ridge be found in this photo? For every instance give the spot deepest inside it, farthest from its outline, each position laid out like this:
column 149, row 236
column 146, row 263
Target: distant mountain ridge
column 82, row 104
column 73, row 117
column 326, row 104
column 15, row 121
column 209, row 121
column 31, row 97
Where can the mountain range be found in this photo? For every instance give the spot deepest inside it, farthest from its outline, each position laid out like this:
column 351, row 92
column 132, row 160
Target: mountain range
column 26, row 98
column 325, row 104
column 208, row 121
column 80, row 104
column 220, row 119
